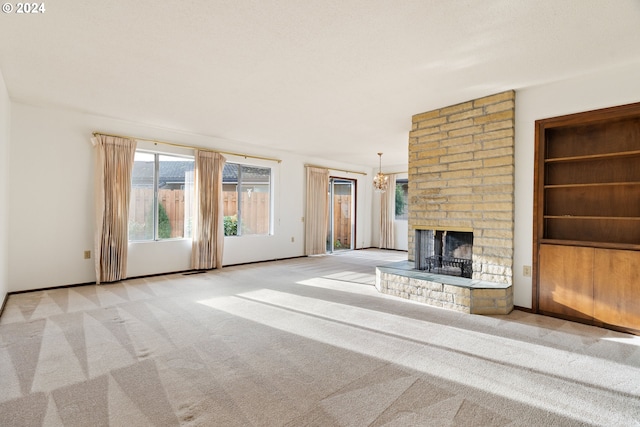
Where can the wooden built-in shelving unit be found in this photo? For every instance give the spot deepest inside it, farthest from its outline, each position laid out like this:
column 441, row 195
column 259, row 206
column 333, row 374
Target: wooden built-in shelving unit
column 587, row 217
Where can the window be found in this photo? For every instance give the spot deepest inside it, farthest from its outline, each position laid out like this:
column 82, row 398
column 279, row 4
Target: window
column 402, row 197
column 247, row 200
column 161, row 203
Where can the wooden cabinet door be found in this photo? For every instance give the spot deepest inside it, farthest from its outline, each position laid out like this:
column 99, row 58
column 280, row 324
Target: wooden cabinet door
column 617, row 288
column 565, row 284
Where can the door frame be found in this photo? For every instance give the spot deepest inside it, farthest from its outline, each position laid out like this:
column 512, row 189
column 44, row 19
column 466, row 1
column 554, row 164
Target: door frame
column 354, row 204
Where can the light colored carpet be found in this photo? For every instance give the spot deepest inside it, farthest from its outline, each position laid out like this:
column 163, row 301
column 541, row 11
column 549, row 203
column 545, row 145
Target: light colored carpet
column 300, row 342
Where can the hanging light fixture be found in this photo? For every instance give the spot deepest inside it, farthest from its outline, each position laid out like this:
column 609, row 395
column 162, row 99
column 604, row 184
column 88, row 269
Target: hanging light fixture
column 381, row 181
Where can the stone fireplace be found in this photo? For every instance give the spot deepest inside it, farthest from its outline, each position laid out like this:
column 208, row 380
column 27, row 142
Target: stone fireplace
column 461, row 168
column 461, row 179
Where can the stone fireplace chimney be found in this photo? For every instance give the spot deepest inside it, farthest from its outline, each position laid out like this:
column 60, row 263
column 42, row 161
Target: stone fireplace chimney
column 461, row 168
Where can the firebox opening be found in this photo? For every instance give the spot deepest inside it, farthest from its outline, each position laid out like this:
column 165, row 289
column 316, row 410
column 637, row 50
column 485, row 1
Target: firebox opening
column 444, row 252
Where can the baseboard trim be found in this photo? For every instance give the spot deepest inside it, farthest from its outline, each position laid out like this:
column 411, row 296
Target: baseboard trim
column 149, row 275
column 384, row 249
column 266, row 260
column 4, row 302
column 525, row 309
column 48, row 288
column 73, row 285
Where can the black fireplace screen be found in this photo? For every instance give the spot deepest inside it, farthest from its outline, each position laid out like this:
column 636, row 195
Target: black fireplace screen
column 444, row 252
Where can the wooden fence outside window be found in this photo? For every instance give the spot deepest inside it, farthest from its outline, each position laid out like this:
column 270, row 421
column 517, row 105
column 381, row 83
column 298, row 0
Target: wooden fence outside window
column 255, row 207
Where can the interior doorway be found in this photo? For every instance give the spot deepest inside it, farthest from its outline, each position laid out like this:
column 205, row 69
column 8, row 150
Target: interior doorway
column 342, row 224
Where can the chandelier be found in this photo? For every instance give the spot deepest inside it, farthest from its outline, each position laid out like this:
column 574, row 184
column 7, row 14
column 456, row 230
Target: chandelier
column 381, row 181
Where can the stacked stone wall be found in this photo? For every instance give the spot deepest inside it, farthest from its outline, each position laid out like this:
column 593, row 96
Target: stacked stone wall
column 461, row 177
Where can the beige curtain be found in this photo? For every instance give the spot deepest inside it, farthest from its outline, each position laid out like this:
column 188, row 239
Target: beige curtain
column 114, row 163
column 208, row 231
column 388, row 214
column 317, row 211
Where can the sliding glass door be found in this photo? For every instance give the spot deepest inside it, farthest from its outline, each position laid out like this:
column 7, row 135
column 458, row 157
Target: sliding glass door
column 341, row 226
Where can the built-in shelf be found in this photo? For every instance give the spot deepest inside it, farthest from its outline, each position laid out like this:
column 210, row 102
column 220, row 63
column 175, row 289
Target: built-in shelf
column 633, row 153
column 587, row 217
column 604, row 245
column 609, row 218
column 591, row 184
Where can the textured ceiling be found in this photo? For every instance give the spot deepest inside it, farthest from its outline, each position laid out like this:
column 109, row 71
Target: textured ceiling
column 335, row 79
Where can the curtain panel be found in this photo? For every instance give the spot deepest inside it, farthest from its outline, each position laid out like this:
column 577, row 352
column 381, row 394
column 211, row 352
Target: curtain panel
column 208, row 232
column 388, row 214
column 317, row 211
column 114, row 158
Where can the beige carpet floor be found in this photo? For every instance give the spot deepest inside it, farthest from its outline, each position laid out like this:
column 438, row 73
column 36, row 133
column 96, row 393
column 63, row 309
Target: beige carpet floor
column 300, row 342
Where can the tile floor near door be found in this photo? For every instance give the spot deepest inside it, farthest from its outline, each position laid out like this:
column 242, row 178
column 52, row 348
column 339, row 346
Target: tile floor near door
column 306, row 341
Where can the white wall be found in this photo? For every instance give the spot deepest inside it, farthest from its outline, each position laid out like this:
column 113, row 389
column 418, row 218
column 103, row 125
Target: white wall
column 5, row 119
column 599, row 90
column 51, row 201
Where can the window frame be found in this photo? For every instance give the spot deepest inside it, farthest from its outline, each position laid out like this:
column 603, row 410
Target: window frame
column 156, row 200
column 405, row 199
column 238, row 191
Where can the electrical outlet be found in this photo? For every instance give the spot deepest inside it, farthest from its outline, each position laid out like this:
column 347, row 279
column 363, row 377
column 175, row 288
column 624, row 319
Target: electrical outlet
column 526, row 271
column 87, row 254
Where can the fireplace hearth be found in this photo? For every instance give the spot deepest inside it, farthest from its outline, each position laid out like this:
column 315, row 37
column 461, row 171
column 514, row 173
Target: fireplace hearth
column 444, row 252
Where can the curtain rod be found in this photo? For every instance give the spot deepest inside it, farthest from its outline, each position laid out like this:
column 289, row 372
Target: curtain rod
column 339, row 170
column 189, row 146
